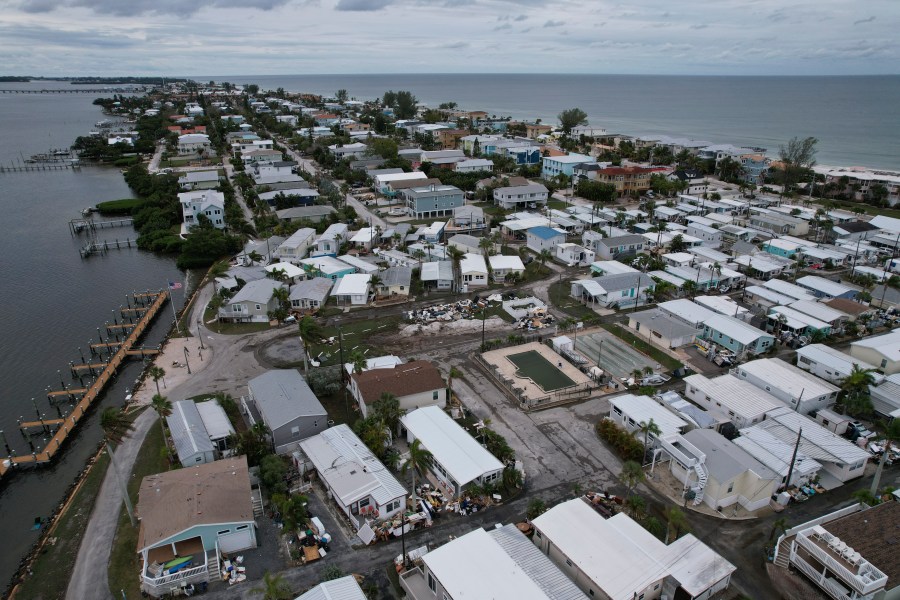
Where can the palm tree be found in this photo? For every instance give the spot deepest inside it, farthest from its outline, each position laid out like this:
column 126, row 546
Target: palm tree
column 891, row 435
column 855, row 387
column 544, row 256
column 115, row 427
column 375, row 281
column 486, row 245
column 456, row 255
column 690, row 288
column 454, row 372
column 274, row 587
column 156, row 373
column 677, row 523
column 779, row 524
column 309, row 332
column 648, row 428
column 635, row 506
column 632, row 474
column 283, row 298
column 358, row 360
column 163, row 408
column 387, row 410
column 420, row 459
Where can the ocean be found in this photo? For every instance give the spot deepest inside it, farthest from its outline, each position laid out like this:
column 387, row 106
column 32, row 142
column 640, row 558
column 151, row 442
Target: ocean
column 53, row 299
column 856, row 119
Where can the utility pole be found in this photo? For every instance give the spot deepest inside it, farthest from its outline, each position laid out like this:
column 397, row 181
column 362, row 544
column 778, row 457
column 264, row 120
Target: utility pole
column 787, row 482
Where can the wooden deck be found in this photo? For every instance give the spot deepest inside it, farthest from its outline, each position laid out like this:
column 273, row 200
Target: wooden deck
column 66, row 426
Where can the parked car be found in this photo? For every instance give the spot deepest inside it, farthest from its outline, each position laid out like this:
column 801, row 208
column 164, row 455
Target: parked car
column 857, row 430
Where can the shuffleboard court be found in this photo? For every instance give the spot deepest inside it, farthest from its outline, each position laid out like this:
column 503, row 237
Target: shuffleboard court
column 545, row 374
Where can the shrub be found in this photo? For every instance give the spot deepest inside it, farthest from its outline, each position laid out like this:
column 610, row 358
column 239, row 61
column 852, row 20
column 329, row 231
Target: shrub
column 623, row 442
column 125, row 206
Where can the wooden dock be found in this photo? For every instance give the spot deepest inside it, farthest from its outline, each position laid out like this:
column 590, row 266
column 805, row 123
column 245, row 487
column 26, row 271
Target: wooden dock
column 65, row 426
column 90, row 225
column 99, row 247
column 28, row 167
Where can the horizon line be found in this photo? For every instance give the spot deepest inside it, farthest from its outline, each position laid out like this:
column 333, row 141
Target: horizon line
column 468, row 73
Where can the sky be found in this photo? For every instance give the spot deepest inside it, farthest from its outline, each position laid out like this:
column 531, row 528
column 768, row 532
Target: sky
column 274, row 37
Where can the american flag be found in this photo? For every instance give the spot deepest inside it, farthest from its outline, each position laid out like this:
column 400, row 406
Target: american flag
column 176, row 285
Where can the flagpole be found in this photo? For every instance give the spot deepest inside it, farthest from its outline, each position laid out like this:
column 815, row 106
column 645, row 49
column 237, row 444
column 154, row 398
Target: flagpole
column 172, row 301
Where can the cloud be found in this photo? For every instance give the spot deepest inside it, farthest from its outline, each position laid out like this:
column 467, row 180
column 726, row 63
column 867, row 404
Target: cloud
column 502, row 27
column 456, row 45
column 521, row 18
column 362, row 5
column 861, row 21
column 699, row 26
column 132, row 8
column 552, row 23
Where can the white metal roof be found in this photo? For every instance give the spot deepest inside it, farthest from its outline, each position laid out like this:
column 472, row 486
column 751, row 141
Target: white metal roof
column 825, row 286
column 363, row 266
column 217, row 423
column 612, row 267
column 290, row 270
column 388, row 177
column 354, row 284
column 735, row 329
column 816, row 441
column 887, row 344
column 767, row 294
column 188, row 431
column 774, row 453
column 499, row 261
column 736, row 395
column 676, row 281
column 799, row 317
column 622, row 557
column 344, row 588
column 789, row 289
column 679, row 257
column 472, row 263
column 687, row 311
column 788, row 378
column 644, row 408
column 326, row 264
column 835, row 359
column 463, row 458
column 721, row 304
column 437, row 271
column 349, row 468
column 476, row 566
column 818, row 310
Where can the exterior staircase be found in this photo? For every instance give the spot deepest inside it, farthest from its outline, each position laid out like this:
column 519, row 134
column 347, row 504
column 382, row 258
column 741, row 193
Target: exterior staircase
column 783, row 556
column 700, row 470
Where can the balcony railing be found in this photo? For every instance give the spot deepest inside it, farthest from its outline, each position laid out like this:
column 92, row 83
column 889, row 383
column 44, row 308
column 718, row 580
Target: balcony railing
column 865, row 580
column 178, row 579
column 830, row 588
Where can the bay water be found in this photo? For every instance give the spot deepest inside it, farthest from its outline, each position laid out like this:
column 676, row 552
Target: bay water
column 54, row 300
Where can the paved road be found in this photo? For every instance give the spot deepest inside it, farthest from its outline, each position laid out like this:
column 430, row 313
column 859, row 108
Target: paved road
column 229, row 172
column 89, row 581
column 157, row 156
column 364, row 213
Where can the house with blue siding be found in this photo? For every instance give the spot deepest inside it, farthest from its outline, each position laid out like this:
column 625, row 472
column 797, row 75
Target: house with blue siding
column 190, row 516
column 433, row 201
column 556, row 165
column 736, row 335
column 527, row 155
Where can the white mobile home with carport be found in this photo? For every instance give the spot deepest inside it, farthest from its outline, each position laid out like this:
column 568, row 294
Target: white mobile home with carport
column 737, row 400
column 356, row 480
column 829, row 364
column 458, row 458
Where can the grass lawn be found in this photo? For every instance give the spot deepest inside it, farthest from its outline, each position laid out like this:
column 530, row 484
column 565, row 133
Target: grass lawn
column 53, row 567
column 641, row 345
column 535, row 271
column 356, row 335
column 340, row 410
column 559, row 296
column 497, row 311
column 540, row 370
column 124, row 564
column 557, row 204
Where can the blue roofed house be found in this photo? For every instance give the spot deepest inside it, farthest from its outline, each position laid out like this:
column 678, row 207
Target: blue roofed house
column 544, row 238
column 192, row 515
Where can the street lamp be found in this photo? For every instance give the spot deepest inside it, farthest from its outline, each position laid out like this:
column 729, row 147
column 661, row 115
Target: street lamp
column 200, row 334
column 186, row 363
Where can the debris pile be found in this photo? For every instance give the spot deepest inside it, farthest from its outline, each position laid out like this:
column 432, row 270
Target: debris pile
column 461, row 326
column 605, row 504
column 453, row 311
